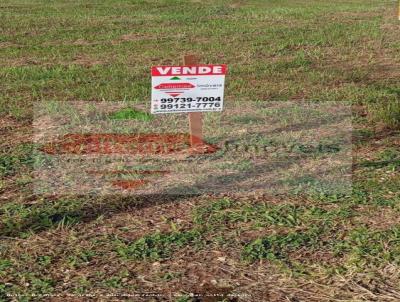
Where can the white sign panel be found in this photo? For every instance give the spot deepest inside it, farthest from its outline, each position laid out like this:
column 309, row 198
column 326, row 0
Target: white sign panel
column 187, row 88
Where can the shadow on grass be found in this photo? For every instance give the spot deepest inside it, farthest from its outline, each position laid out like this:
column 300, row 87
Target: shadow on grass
column 379, row 164
column 19, row 220
column 22, row 220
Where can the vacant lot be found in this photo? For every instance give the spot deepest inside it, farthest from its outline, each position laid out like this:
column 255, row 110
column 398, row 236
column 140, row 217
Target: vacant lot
column 299, row 245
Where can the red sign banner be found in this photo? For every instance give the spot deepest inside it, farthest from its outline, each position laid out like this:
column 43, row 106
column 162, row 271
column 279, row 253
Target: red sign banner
column 188, row 70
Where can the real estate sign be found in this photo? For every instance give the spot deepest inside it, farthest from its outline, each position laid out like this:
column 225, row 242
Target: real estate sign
column 187, row 88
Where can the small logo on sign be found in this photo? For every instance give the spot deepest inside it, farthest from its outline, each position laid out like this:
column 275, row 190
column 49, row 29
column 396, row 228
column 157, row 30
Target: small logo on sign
column 174, row 89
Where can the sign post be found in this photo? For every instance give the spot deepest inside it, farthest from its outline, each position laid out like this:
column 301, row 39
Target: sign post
column 195, row 118
column 192, row 88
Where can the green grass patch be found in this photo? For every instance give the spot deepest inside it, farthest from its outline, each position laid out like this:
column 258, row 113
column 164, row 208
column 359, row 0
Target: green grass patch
column 19, row 158
column 277, row 246
column 365, row 247
column 226, row 213
column 157, row 246
column 386, row 113
column 131, row 114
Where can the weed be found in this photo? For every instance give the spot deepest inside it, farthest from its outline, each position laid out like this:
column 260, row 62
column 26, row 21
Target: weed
column 276, row 247
column 226, row 213
column 41, row 285
column 171, row 275
column 183, row 298
column 4, row 265
column 157, row 246
column 20, row 157
column 80, row 258
column 366, row 247
column 114, row 282
column 389, row 154
column 44, row 260
column 82, row 286
column 387, row 113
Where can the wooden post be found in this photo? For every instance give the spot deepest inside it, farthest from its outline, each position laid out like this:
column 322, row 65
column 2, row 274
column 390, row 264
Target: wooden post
column 195, row 118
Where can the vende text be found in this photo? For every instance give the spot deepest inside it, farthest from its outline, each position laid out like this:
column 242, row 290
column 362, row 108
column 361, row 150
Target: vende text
column 188, row 70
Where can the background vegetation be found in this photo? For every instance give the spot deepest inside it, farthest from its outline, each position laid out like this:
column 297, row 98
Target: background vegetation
column 291, row 248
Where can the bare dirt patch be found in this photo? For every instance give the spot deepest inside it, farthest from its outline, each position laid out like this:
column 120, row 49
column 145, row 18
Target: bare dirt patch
column 129, row 184
column 23, row 62
column 13, row 132
column 378, row 218
column 7, row 44
column 124, row 144
column 133, row 37
column 86, row 61
column 82, row 42
column 118, row 144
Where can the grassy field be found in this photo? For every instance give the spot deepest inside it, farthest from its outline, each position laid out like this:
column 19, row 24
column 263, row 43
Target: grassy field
column 242, row 247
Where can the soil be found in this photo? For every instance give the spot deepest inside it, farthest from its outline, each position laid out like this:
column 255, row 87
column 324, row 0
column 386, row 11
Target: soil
column 129, row 184
column 111, row 143
column 140, row 172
